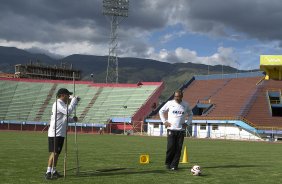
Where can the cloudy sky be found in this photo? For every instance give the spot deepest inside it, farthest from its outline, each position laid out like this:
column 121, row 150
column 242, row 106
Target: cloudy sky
column 229, row 32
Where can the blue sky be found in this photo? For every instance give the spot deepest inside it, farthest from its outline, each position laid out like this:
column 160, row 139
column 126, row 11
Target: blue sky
column 173, row 37
column 214, row 32
column 246, row 51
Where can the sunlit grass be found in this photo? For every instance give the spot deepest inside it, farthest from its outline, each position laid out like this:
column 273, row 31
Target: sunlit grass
column 24, row 160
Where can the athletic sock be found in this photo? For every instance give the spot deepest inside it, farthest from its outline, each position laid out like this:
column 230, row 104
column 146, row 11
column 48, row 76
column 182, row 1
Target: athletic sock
column 54, row 169
column 49, row 169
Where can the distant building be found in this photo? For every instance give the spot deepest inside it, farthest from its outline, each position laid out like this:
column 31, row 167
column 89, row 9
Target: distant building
column 35, row 70
column 7, row 75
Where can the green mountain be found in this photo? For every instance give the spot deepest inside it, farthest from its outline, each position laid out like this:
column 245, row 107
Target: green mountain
column 131, row 70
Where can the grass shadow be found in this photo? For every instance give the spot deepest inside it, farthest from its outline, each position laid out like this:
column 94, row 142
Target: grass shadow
column 231, row 166
column 113, row 169
column 116, row 171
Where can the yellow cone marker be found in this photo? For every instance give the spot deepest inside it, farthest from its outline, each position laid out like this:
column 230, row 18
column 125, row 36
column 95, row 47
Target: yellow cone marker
column 144, row 159
column 185, row 156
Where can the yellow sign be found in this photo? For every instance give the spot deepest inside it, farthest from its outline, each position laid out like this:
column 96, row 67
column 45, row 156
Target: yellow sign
column 271, row 60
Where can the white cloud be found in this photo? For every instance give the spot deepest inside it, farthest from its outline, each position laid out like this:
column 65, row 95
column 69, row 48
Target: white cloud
column 63, row 48
column 82, row 28
column 223, row 56
column 170, row 36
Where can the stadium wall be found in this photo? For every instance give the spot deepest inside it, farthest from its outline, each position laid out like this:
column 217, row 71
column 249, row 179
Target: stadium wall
column 156, row 129
column 81, row 127
column 214, row 129
column 223, row 130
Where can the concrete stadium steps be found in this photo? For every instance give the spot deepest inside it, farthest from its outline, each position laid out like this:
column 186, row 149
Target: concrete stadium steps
column 201, row 89
column 231, row 97
column 236, row 97
column 48, row 110
column 242, row 100
column 260, row 113
column 226, row 95
column 6, row 91
column 32, row 100
column 83, row 109
column 21, row 101
column 40, row 109
column 112, row 101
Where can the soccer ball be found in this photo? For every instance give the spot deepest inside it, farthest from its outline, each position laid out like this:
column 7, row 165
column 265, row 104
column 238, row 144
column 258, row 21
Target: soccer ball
column 196, row 170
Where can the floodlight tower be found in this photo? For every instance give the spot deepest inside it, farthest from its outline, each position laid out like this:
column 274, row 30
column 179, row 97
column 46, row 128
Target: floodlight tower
column 115, row 9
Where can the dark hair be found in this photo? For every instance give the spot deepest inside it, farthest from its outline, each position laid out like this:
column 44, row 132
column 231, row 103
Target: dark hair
column 179, row 92
column 63, row 91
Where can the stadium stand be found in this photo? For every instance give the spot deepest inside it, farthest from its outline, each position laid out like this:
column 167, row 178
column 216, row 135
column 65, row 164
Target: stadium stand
column 244, row 100
column 29, row 101
column 226, row 95
column 260, row 111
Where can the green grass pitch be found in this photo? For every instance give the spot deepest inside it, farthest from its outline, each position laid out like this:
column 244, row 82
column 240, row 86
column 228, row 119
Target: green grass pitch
column 23, row 159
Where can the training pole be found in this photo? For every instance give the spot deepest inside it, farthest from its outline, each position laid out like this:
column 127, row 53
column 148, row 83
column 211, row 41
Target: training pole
column 66, row 143
column 44, row 128
column 75, row 131
column 55, row 134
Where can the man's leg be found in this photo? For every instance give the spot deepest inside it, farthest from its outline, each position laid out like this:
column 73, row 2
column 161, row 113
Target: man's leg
column 170, row 148
column 179, row 142
column 54, row 154
column 53, row 158
column 48, row 174
column 59, row 143
column 50, row 160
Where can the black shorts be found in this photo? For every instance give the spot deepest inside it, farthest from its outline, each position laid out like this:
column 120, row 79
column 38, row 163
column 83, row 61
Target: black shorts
column 59, row 144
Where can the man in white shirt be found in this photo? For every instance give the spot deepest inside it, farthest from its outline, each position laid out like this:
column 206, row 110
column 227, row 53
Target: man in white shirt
column 57, row 130
column 177, row 110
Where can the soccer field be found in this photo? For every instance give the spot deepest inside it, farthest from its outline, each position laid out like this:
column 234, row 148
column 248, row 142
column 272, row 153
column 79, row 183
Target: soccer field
column 24, row 159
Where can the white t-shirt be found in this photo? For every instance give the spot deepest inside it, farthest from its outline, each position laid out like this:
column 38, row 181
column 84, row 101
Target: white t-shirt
column 176, row 114
column 61, row 117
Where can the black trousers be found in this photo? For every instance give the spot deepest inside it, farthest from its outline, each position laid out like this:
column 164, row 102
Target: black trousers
column 174, row 146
